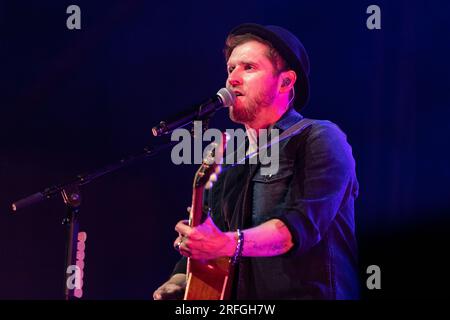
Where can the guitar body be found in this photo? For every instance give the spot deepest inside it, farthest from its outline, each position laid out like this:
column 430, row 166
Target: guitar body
column 207, row 279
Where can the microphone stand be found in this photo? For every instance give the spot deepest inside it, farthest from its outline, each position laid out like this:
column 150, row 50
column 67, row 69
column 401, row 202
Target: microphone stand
column 71, row 196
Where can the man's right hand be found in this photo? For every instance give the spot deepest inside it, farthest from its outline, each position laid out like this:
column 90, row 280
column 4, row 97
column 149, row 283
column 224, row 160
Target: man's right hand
column 173, row 289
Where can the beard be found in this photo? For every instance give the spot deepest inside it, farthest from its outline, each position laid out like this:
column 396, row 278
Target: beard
column 247, row 112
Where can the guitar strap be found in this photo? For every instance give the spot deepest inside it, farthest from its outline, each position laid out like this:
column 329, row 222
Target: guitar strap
column 295, row 129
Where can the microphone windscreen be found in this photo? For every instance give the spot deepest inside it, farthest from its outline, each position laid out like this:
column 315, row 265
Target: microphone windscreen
column 227, row 96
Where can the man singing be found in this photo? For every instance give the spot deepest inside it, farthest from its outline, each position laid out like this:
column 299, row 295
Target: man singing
column 297, row 226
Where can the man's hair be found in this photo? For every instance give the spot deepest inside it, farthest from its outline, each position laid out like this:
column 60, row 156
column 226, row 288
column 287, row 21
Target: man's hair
column 279, row 64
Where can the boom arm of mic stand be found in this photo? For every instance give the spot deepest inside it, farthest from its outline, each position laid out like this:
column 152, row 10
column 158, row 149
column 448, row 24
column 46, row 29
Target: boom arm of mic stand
column 83, row 179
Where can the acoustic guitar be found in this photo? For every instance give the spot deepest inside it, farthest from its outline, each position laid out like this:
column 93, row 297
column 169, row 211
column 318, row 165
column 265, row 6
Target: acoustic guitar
column 207, row 279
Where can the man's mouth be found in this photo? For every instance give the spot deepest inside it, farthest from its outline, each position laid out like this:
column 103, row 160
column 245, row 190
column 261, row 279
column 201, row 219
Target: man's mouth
column 238, row 94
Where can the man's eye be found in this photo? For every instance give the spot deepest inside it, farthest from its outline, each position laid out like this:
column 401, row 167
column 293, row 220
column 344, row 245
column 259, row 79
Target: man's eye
column 248, row 67
column 230, row 70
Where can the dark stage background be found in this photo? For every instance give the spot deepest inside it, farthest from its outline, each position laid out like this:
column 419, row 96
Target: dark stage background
column 75, row 100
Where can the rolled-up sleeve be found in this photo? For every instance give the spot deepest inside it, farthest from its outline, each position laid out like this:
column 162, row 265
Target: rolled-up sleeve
column 327, row 181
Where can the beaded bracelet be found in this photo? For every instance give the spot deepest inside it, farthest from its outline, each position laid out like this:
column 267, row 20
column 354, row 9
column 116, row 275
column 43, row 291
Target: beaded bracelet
column 239, row 247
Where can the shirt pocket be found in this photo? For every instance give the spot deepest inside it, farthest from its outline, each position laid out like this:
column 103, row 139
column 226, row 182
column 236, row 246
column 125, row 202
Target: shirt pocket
column 272, row 178
column 285, row 170
column 269, row 192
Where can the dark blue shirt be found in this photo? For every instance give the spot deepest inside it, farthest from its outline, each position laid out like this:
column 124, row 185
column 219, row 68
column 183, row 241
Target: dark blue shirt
column 313, row 193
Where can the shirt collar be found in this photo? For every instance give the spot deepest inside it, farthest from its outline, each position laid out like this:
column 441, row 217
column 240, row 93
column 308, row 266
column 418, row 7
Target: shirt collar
column 288, row 119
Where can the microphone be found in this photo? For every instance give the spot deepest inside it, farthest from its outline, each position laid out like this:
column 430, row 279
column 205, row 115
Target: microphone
column 223, row 98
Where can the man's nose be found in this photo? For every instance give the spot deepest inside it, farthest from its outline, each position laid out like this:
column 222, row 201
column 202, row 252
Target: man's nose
column 234, row 79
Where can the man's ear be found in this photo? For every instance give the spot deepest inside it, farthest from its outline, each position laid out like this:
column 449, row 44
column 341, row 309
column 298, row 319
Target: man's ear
column 286, row 82
column 288, row 79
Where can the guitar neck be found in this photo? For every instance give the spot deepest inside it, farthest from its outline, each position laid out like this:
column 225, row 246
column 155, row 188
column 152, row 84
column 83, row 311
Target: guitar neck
column 195, row 216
